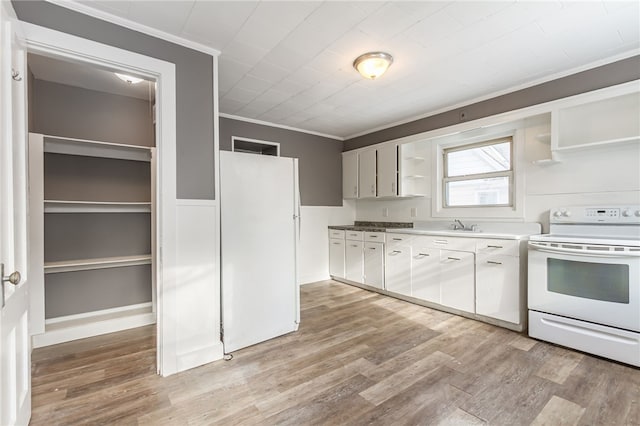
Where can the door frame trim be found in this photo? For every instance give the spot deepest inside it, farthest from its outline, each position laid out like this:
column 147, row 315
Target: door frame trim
column 72, row 48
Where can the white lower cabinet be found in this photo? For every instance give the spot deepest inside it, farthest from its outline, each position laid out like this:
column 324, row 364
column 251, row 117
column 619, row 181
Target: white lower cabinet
column 354, row 262
column 336, row 257
column 397, row 274
column 457, row 280
column 425, row 274
column 498, row 287
column 471, row 275
column 374, row 264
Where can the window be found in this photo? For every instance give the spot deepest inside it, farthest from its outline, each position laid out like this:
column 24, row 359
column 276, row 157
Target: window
column 479, row 175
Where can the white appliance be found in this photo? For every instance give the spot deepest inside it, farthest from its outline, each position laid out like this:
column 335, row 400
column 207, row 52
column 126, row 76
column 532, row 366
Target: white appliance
column 584, row 281
column 260, row 215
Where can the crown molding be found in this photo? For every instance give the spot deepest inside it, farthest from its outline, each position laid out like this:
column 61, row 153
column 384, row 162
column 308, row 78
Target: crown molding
column 123, row 22
column 279, row 126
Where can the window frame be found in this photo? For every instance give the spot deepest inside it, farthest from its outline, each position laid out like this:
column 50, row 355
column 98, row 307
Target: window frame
column 509, row 173
column 514, row 129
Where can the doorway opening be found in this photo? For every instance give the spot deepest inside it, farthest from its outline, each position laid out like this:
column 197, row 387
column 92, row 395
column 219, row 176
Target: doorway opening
column 92, row 143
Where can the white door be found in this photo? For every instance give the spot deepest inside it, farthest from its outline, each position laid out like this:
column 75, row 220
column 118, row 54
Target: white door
column 425, row 274
column 374, row 264
column 258, row 248
column 336, row 257
column 350, row 175
column 387, row 169
column 15, row 369
column 354, row 262
column 457, row 281
column 367, row 174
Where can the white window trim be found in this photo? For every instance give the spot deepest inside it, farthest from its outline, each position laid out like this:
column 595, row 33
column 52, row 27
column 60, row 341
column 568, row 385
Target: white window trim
column 505, row 173
column 258, row 141
column 515, row 211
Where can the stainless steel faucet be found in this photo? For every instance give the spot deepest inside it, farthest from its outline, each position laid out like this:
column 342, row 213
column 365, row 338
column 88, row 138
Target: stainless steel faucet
column 458, row 224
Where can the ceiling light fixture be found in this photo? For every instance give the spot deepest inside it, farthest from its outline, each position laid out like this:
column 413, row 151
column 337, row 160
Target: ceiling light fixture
column 373, row 64
column 129, row 79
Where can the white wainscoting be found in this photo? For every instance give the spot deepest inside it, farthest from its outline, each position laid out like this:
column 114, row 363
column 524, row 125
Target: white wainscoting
column 313, row 254
column 197, row 295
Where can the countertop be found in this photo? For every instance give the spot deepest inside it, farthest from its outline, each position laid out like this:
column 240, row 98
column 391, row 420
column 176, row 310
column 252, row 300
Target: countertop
column 493, row 230
column 374, row 226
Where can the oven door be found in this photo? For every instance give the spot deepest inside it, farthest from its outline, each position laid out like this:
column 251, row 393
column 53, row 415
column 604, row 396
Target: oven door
column 594, row 283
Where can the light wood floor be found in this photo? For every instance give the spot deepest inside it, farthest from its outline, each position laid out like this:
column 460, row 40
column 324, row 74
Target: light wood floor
column 358, row 358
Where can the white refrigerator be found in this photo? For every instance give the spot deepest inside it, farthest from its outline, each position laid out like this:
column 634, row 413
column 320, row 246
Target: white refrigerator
column 260, row 217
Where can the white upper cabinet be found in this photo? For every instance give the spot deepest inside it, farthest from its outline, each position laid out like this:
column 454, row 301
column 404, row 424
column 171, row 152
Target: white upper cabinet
column 387, row 168
column 350, row 175
column 367, row 173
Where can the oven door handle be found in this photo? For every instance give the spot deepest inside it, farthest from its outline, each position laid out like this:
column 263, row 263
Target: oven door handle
column 583, row 252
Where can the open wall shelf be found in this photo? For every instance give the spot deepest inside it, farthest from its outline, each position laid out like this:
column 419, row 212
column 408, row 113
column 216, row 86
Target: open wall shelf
column 67, row 206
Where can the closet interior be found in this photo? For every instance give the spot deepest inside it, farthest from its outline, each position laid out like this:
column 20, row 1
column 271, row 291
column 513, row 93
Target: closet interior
column 92, row 206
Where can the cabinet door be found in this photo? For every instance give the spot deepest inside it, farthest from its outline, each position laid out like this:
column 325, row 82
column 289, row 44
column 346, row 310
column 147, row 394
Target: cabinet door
column 425, row 274
column 336, row 257
column 367, row 174
column 353, row 261
column 350, row 175
column 457, row 283
column 387, row 167
column 498, row 287
column 397, row 274
column 374, row 264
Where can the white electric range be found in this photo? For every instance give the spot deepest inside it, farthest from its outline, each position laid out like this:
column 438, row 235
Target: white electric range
column 584, row 281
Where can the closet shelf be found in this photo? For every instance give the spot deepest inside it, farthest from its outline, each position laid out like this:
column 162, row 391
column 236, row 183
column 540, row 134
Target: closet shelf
column 96, row 263
column 88, row 148
column 67, row 206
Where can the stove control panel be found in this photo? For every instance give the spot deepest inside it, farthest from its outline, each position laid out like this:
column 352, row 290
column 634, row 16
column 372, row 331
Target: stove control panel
column 622, row 214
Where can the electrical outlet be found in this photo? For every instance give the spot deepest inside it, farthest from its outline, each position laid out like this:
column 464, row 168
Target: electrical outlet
column 385, row 212
column 414, row 212
column 463, row 115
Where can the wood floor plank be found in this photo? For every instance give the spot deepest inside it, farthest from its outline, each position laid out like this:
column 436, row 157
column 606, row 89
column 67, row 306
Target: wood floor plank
column 559, row 412
column 358, row 358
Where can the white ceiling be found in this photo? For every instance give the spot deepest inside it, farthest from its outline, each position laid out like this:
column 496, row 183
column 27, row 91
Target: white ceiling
column 289, row 63
column 88, row 77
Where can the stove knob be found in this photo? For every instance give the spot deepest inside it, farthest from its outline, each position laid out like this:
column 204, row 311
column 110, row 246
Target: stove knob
column 626, row 213
column 637, row 213
column 557, row 213
column 566, row 213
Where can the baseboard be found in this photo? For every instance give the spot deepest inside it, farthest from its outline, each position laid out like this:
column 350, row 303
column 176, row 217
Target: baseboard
column 88, row 326
column 309, row 279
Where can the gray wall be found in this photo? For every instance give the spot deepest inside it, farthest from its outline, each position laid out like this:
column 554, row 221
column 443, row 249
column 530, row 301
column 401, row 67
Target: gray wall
column 194, row 86
column 595, row 78
column 74, row 112
column 320, row 165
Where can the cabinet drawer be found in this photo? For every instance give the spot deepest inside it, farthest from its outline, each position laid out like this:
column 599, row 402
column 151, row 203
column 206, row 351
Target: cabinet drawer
column 453, row 243
column 336, row 233
column 377, row 237
column 398, row 238
column 354, row 235
column 498, row 247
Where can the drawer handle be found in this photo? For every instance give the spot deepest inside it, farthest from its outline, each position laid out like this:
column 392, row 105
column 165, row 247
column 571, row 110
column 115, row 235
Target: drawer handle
column 354, row 245
column 453, row 258
column 373, row 236
column 421, row 255
column 372, row 248
column 337, row 244
column 494, row 263
column 495, row 247
column 441, row 242
column 353, row 235
column 397, row 239
column 393, row 253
